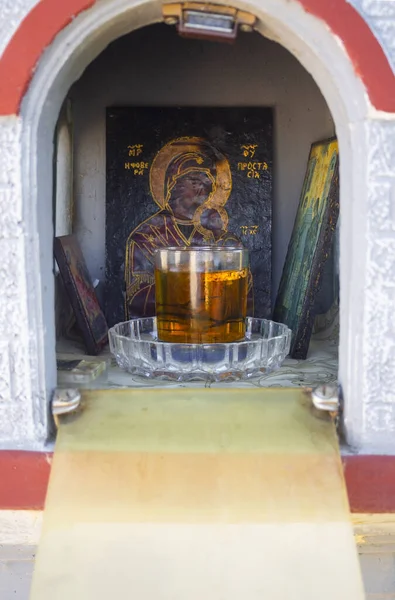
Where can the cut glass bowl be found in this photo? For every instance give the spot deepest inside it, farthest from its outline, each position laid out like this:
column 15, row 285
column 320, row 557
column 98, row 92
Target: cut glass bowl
column 136, row 349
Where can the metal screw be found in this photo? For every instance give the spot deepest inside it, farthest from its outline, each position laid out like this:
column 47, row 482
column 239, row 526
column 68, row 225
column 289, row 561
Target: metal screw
column 325, row 397
column 65, row 401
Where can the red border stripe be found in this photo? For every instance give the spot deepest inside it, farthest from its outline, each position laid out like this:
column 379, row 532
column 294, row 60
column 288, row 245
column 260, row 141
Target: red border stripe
column 370, row 483
column 48, row 17
column 34, row 34
column 24, row 479
column 368, row 58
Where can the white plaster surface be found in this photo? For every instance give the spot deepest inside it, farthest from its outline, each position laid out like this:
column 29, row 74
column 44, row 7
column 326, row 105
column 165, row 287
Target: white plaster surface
column 16, row 571
column 379, row 339
column 380, row 16
column 17, row 423
column 20, row 527
column 12, row 14
column 367, row 238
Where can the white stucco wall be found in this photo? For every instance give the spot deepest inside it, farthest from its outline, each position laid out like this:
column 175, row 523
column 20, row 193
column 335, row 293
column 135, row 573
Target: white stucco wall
column 367, row 236
column 253, row 72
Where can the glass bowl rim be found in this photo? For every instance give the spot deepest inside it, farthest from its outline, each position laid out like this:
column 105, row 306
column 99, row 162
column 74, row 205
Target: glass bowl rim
column 287, row 331
column 200, row 249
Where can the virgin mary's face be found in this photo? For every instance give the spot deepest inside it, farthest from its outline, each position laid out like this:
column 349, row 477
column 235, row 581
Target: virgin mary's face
column 190, row 191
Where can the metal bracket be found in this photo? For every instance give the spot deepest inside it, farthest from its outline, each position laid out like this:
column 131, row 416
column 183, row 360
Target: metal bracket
column 326, row 397
column 207, row 21
column 65, row 401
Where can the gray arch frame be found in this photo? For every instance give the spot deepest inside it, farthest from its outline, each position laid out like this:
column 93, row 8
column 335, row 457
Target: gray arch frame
column 366, row 370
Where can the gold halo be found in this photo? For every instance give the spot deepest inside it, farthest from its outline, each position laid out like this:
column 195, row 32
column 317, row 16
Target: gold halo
column 168, row 152
column 207, row 206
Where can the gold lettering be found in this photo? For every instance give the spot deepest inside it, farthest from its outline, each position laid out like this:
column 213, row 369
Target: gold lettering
column 135, row 150
column 249, row 150
column 249, row 229
column 252, row 168
column 138, row 168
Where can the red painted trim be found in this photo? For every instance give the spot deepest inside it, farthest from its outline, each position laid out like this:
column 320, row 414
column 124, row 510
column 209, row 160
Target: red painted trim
column 24, row 479
column 370, row 483
column 48, row 17
column 34, row 34
column 370, row 62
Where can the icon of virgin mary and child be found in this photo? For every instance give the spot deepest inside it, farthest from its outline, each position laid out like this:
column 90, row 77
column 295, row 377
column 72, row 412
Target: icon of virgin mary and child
column 190, row 181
